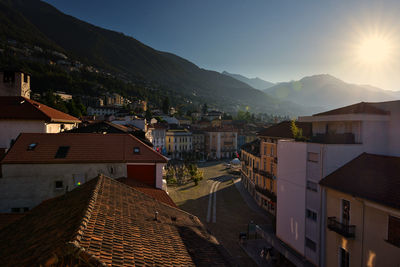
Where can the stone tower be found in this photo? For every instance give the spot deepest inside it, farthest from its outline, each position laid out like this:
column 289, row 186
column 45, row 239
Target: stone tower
column 15, row 83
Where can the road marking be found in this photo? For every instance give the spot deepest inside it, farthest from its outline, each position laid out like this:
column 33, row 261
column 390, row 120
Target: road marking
column 210, row 201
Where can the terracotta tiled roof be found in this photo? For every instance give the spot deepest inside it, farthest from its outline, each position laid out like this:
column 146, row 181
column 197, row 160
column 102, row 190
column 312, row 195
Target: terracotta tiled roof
column 8, row 218
column 21, row 108
column 372, row 177
column 359, row 108
column 83, row 148
column 105, row 222
column 158, row 194
column 283, row 130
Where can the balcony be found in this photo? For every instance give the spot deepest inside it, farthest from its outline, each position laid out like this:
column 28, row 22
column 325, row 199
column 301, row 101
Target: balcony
column 332, row 138
column 256, row 170
column 348, row 231
column 266, row 174
column 266, row 193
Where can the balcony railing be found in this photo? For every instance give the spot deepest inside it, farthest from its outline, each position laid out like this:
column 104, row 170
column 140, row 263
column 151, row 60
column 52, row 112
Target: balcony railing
column 266, row 174
column 256, row 170
column 331, row 138
column 266, row 193
column 345, row 230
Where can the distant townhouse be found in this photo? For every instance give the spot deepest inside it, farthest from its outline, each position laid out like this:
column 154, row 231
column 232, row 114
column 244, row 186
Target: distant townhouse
column 107, row 223
column 179, row 143
column 362, row 213
column 101, row 111
column 214, row 114
column 184, row 121
column 199, row 145
column 42, row 166
column 15, row 83
column 156, row 134
column 170, row 120
column 221, row 143
column 338, row 136
column 19, row 114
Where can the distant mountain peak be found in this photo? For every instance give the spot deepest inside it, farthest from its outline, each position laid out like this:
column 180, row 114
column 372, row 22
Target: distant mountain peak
column 256, row 83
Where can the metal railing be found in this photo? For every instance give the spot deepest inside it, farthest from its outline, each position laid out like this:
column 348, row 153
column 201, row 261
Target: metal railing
column 341, row 228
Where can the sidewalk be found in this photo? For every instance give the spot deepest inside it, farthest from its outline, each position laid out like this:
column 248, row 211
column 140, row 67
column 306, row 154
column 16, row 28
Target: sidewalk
column 253, row 247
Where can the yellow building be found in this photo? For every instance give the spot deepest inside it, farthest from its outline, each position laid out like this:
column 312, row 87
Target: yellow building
column 178, row 143
column 363, row 213
column 269, row 157
column 253, row 178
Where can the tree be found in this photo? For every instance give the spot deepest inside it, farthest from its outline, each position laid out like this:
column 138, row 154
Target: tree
column 166, row 105
column 148, row 114
column 297, row 132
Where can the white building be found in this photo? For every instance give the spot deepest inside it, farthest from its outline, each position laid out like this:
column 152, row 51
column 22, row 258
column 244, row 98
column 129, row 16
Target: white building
column 22, row 115
column 156, row 135
column 338, row 137
column 101, row 111
column 42, row 166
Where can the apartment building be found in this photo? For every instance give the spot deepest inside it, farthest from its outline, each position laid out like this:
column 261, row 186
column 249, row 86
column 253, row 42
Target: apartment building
column 199, row 144
column 178, row 143
column 338, row 136
column 268, row 140
column 263, row 190
column 363, row 212
column 221, row 142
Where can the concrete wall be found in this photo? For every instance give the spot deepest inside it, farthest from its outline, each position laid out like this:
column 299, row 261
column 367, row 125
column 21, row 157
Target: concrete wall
column 291, row 184
column 369, row 247
column 10, row 129
column 18, row 88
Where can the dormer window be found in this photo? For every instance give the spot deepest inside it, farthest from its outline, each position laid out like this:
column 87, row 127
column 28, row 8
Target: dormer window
column 62, row 152
column 136, row 150
column 32, row 146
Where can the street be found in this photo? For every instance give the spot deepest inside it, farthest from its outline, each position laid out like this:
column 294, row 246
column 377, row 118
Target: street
column 220, row 206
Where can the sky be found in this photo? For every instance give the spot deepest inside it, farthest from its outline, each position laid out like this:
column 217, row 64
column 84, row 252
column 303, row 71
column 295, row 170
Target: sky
column 274, row 40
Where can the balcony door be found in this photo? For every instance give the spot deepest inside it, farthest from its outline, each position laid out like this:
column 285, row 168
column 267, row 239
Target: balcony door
column 345, row 212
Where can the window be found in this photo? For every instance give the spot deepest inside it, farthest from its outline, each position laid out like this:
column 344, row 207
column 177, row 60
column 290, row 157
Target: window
column 345, row 212
column 311, row 215
column 62, row 152
column 394, row 231
column 136, row 150
column 344, row 258
column 312, row 186
column 59, row 184
column 26, row 209
column 272, row 150
column 15, row 210
column 311, row 244
column 313, row 157
column 265, row 150
column 25, row 77
column 32, row 146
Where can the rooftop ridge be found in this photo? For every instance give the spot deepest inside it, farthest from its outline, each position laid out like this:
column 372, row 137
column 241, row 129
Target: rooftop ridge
column 89, row 208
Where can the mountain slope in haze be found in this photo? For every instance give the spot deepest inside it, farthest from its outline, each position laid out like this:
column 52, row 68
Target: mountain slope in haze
column 256, row 83
column 120, row 53
column 327, row 92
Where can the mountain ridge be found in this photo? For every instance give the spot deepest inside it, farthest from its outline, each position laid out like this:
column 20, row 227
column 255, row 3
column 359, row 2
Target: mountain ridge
column 256, row 83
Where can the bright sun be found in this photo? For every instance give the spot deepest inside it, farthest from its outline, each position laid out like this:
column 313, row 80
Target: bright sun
column 374, row 50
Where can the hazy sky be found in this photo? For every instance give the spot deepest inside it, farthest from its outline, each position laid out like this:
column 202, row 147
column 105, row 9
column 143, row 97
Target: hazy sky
column 274, row 40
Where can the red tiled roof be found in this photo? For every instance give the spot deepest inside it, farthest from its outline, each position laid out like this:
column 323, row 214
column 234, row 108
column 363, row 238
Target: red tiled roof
column 8, row 218
column 83, row 148
column 157, row 194
column 284, row 130
column 372, row 177
column 359, row 108
column 107, row 223
column 21, row 108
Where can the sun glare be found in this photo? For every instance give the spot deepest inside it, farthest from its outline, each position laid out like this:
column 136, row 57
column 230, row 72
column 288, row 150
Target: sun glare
column 374, row 50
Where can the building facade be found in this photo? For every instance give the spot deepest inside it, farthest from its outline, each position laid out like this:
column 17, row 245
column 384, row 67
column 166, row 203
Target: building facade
column 179, row 143
column 362, row 205
column 156, row 135
column 42, row 166
column 221, row 143
column 338, row 136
